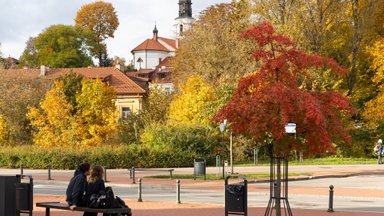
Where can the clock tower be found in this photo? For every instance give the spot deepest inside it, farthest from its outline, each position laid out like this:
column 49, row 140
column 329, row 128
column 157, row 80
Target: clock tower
column 185, row 19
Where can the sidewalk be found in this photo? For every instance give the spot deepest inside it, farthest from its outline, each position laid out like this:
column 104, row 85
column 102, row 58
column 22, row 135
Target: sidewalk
column 146, row 208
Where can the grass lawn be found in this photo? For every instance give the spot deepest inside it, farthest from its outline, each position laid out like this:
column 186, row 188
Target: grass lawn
column 320, row 161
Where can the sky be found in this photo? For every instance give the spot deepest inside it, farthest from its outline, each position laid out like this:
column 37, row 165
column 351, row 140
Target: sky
column 21, row 19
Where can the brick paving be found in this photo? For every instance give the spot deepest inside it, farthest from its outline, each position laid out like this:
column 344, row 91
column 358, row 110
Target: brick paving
column 147, row 208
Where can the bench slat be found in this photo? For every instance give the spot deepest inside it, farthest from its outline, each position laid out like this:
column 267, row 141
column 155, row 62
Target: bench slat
column 64, row 206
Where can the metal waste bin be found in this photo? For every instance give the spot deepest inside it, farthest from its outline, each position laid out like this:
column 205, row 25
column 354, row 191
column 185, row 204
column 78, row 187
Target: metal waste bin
column 236, row 197
column 199, row 168
column 24, row 195
column 7, row 195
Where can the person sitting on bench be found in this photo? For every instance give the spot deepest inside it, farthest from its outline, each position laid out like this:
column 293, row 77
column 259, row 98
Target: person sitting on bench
column 95, row 186
column 77, row 186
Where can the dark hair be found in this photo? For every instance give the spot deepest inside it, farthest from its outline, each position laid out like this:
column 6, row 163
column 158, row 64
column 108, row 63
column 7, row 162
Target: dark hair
column 84, row 167
column 96, row 173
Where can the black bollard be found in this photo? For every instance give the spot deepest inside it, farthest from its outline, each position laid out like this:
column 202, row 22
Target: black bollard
column 178, row 191
column 49, row 172
column 139, row 191
column 21, row 170
column 330, row 208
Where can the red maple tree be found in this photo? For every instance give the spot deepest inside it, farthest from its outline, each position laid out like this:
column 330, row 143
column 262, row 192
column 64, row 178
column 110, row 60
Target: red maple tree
column 268, row 99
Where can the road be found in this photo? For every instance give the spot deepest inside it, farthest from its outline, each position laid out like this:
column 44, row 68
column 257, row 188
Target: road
column 356, row 193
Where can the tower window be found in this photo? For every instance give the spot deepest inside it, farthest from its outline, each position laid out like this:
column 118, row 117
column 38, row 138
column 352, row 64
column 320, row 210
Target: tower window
column 181, row 28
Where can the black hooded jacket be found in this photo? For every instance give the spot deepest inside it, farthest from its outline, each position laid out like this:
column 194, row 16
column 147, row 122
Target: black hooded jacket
column 76, row 189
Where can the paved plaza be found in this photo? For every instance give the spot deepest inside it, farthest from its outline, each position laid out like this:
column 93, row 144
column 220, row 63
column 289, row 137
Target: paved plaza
column 357, row 191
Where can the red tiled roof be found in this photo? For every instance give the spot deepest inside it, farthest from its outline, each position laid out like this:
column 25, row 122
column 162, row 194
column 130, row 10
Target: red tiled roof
column 121, row 83
column 151, row 44
column 170, row 42
column 166, row 62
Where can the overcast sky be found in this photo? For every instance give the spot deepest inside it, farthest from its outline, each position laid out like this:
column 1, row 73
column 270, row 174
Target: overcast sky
column 20, row 19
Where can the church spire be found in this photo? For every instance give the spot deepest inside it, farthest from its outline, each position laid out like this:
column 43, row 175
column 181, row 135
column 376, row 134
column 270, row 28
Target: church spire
column 185, row 19
column 155, row 33
column 185, row 9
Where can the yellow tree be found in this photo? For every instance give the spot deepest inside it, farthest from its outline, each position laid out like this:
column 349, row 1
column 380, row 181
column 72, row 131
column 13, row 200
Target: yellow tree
column 89, row 122
column 53, row 124
column 193, row 104
column 374, row 109
column 96, row 116
column 3, row 131
column 99, row 17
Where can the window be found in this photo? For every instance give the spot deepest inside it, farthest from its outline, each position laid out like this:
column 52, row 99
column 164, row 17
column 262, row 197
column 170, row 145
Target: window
column 181, row 28
column 125, row 112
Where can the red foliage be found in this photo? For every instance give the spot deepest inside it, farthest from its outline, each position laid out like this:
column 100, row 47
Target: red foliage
column 264, row 103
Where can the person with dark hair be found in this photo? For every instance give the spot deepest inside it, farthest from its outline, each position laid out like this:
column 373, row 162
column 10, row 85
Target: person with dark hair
column 95, row 185
column 77, row 186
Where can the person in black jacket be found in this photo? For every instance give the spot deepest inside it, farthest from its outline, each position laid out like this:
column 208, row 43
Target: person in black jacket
column 77, row 186
column 95, row 185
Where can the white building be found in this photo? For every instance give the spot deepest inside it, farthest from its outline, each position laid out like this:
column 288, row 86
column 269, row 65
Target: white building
column 152, row 57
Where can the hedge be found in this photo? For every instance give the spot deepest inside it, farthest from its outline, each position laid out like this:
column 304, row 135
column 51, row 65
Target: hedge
column 110, row 156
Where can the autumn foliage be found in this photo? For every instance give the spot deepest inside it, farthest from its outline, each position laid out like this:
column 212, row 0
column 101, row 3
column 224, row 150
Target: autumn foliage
column 282, row 91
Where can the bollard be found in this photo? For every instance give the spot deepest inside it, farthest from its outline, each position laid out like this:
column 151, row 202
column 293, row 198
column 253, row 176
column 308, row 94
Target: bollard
column 139, row 192
column 178, row 191
column 21, row 170
column 105, row 173
column 49, row 172
column 330, row 208
column 133, row 175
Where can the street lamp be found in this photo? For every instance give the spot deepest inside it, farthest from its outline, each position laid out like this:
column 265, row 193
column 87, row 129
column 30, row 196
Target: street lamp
column 222, row 129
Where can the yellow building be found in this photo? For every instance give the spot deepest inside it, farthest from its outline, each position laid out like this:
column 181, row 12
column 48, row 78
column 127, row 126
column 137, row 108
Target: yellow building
column 129, row 95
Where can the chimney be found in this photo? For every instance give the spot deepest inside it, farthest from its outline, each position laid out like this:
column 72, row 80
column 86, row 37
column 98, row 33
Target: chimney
column 119, row 67
column 43, row 70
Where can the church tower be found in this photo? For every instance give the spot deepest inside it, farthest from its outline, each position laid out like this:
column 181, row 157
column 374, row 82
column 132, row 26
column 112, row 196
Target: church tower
column 185, row 19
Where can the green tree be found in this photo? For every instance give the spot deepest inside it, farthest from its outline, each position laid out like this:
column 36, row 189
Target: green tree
column 59, row 46
column 99, row 17
column 154, row 112
column 72, row 87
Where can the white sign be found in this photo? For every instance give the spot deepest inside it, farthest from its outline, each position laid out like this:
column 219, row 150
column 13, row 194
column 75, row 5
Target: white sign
column 290, row 128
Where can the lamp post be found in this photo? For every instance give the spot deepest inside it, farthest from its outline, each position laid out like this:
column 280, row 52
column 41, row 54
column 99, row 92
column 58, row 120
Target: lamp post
column 279, row 180
column 222, row 129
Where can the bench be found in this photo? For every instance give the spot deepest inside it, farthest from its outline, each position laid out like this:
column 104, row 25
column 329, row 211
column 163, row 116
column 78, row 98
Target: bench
column 64, row 206
column 133, row 170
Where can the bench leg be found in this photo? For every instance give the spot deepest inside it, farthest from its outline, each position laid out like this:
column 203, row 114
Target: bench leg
column 47, row 212
column 170, row 173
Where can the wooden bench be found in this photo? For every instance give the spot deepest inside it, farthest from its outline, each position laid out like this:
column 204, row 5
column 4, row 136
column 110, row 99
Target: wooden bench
column 133, row 170
column 64, row 206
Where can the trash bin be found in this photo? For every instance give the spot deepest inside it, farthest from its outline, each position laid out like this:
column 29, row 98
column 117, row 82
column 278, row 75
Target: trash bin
column 200, row 168
column 7, row 195
column 24, row 195
column 236, row 197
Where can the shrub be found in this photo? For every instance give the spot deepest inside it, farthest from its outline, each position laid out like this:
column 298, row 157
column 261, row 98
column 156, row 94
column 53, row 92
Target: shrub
column 110, row 156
